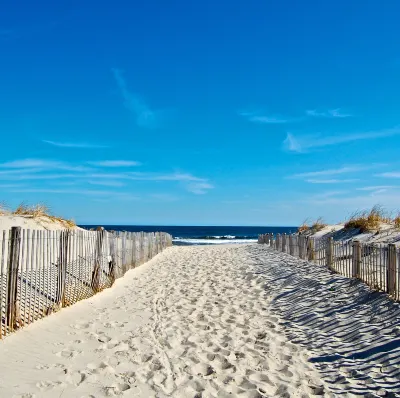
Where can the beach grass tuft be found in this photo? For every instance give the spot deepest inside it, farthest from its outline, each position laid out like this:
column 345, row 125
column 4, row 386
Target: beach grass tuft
column 368, row 221
column 3, row 209
column 304, row 227
column 396, row 221
column 39, row 210
column 318, row 225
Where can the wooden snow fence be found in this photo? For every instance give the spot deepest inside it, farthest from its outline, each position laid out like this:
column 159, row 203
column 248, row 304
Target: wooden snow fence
column 376, row 264
column 42, row 271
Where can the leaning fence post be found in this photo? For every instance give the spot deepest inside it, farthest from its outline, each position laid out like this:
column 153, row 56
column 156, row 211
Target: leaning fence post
column 329, row 253
column 356, row 259
column 97, row 260
column 12, row 280
column 391, row 269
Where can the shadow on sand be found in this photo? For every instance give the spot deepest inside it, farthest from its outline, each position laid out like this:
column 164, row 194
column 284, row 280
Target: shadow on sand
column 351, row 332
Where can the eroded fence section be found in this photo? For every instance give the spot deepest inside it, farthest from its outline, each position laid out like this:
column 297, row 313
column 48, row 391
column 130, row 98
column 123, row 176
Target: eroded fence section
column 43, row 271
column 378, row 265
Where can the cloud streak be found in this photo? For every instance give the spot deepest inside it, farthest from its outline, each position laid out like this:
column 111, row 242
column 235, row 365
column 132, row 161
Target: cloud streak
column 302, row 144
column 340, row 170
column 58, row 171
column 81, row 145
column 145, row 117
column 390, row 174
column 115, row 163
column 331, row 181
column 330, row 113
column 260, row 118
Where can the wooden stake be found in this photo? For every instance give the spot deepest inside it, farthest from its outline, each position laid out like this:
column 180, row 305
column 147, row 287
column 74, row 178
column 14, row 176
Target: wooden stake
column 97, row 260
column 356, row 259
column 62, row 267
column 391, row 269
column 12, row 285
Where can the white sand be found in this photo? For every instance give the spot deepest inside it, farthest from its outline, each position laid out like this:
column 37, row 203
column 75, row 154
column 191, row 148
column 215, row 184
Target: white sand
column 386, row 234
column 27, row 222
column 211, row 321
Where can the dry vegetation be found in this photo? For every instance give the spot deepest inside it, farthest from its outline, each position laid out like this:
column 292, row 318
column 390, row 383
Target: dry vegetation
column 313, row 227
column 39, row 210
column 396, row 221
column 367, row 221
column 318, row 225
column 304, row 227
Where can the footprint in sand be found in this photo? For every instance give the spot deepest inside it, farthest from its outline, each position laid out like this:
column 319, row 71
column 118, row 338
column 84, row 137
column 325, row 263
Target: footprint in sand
column 66, row 353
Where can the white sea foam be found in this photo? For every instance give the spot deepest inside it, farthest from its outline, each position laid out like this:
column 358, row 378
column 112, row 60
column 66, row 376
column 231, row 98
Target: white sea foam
column 215, row 241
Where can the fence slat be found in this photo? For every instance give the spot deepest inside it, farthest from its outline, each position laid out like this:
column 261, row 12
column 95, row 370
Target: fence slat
column 12, row 285
column 391, row 270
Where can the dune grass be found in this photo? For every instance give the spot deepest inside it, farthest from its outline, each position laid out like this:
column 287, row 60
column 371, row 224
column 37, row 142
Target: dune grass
column 304, row 227
column 368, row 220
column 39, row 210
column 318, row 225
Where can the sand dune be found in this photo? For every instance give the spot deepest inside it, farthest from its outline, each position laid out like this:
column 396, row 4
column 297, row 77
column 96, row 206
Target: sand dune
column 211, row 321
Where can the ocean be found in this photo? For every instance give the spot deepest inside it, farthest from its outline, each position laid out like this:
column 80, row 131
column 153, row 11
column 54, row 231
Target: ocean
column 195, row 235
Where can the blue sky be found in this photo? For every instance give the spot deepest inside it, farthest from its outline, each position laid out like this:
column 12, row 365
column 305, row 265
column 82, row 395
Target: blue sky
column 200, row 112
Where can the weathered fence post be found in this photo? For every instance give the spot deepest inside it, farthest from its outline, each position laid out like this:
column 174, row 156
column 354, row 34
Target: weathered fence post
column 97, row 260
column 356, row 259
column 311, row 250
column 12, row 280
column 62, row 268
column 284, row 243
column 112, row 263
column 391, row 269
column 329, row 253
column 291, row 245
column 301, row 247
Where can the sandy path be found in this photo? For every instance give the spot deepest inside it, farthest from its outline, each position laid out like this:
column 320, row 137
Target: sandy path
column 193, row 322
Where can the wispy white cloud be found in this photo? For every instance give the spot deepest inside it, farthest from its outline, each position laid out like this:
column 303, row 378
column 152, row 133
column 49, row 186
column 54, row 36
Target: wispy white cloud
column 390, row 174
column 292, row 144
column 114, row 194
column 340, row 170
column 37, row 165
column 306, row 143
column 59, row 172
column 376, row 187
column 329, row 113
column 199, row 188
column 332, row 181
column 164, row 197
column 107, row 183
column 145, row 117
column 74, row 145
column 115, row 163
column 259, row 117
